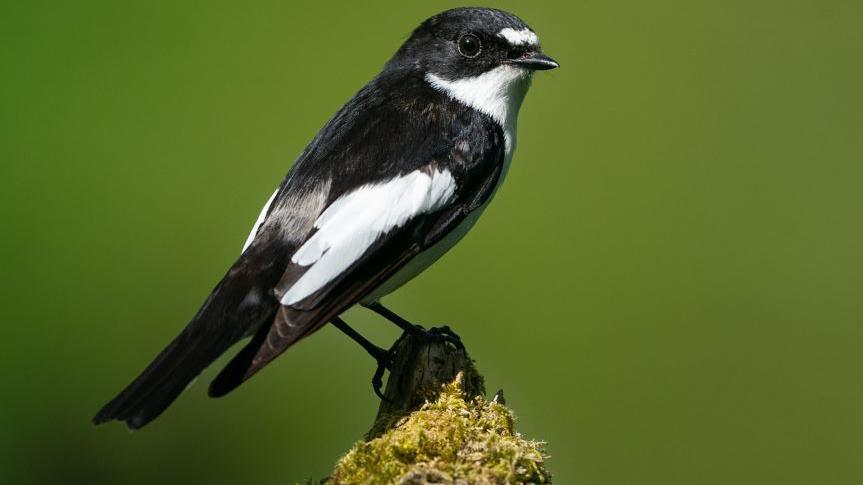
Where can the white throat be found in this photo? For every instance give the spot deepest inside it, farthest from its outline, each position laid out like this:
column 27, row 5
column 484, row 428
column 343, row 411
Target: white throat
column 497, row 93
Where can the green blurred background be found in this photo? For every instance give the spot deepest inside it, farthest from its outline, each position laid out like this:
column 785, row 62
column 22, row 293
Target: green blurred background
column 669, row 287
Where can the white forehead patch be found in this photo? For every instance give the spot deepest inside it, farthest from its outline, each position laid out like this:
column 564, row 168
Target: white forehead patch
column 519, row 37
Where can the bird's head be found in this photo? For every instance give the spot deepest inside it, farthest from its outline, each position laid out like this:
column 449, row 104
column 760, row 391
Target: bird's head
column 475, row 54
column 468, row 42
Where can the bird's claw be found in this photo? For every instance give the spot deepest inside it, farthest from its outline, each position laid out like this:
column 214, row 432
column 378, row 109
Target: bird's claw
column 439, row 334
column 385, row 363
column 378, row 381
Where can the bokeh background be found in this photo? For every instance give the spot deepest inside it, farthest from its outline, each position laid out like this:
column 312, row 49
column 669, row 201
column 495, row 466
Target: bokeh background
column 669, row 287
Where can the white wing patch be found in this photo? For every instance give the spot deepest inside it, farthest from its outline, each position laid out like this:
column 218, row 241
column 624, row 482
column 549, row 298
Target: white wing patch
column 258, row 222
column 519, row 37
column 351, row 224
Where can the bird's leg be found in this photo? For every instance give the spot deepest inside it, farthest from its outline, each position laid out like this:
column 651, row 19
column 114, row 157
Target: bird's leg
column 438, row 334
column 381, row 356
column 376, row 352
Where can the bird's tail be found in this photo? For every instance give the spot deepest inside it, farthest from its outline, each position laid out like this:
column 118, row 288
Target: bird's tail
column 237, row 306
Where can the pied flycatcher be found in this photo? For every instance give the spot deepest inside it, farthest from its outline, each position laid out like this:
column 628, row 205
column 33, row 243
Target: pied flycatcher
column 393, row 181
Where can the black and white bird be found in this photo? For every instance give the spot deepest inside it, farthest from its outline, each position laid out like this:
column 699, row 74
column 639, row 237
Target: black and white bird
column 397, row 177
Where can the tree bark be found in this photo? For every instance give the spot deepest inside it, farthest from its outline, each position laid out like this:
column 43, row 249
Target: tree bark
column 420, row 370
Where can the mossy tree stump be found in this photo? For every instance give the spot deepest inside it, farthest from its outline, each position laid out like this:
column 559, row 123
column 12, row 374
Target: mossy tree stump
column 435, row 426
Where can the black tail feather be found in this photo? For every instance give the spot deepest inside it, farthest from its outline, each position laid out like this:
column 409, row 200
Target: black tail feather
column 161, row 382
column 234, row 372
column 240, row 303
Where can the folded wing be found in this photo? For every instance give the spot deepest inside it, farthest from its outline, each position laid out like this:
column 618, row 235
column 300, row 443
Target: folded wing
column 362, row 239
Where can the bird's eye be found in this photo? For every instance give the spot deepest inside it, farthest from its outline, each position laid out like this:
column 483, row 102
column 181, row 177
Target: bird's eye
column 469, row 45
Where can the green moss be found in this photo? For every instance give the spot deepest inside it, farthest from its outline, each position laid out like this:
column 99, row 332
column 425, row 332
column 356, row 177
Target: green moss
column 450, row 440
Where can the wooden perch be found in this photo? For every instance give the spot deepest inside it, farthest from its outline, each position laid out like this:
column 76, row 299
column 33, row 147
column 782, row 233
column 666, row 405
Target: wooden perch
column 435, row 426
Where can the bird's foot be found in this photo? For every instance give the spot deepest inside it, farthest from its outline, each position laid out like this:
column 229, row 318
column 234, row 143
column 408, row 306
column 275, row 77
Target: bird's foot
column 438, row 334
column 435, row 334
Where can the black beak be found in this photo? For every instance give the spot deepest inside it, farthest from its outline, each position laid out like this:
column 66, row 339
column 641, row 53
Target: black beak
column 535, row 61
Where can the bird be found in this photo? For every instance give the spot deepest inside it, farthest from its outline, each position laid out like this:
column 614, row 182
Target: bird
column 391, row 182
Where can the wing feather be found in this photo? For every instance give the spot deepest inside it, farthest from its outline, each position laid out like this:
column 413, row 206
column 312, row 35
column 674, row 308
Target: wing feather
column 348, row 228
